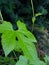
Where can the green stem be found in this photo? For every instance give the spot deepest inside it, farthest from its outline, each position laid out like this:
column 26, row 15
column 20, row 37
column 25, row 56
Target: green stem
column 1, row 18
column 15, row 55
column 33, row 13
column 32, row 7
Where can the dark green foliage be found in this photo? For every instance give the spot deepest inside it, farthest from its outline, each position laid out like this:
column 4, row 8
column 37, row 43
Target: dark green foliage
column 39, row 6
column 6, row 61
column 12, row 10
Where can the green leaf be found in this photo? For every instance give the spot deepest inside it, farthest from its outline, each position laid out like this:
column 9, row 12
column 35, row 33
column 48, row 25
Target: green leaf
column 29, row 50
column 5, row 26
column 27, row 45
column 38, row 14
column 21, row 25
column 22, row 61
column 22, row 29
column 17, row 47
column 8, row 42
column 46, row 58
column 44, row 11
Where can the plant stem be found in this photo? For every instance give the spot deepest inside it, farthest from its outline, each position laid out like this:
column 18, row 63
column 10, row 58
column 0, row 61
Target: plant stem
column 15, row 55
column 1, row 18
column 33, row 14
column 32, row 7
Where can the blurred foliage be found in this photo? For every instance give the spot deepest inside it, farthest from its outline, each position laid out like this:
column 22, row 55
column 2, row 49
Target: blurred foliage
column 13, row 10
column 6, row 61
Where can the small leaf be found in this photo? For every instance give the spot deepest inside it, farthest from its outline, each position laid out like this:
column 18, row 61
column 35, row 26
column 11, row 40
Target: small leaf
column 38, row 14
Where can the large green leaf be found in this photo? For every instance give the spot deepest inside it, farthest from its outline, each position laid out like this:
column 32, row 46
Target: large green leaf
column 27, row 46
column 29, row 50
column 9, row 42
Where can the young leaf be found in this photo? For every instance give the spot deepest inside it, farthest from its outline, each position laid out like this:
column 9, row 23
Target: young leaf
column 38, row 14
